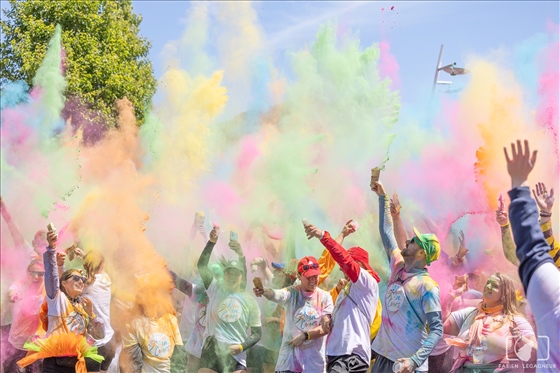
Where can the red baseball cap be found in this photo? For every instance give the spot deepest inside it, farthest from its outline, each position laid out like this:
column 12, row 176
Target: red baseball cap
column 309, row 266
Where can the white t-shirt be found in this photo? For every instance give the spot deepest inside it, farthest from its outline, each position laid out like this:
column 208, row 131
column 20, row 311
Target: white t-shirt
column 408, row 298
column 303, row 312
column 63, row 317
column 100, row 295
column 229, row 316
column 157, row 339
column 351, row 327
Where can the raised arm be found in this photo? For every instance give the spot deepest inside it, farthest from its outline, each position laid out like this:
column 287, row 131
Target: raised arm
column 236, row 247
column 51, row 271
column 507, row 240
column 385, row 220
column 545, row 201
column 181, row 284
column 532, row 249
column 15, row 232
column 203, row 270
column 326, row 261
column 398, row 226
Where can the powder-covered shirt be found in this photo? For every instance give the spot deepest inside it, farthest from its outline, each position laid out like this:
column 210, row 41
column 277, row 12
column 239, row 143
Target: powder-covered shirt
column 271, row 335
column 499, row 340
column 408, row 298
column 194, row 315
column 304, row 311
column 157, row 339
column 229, row 316
column 25, row 319
column 350, row 333
column 100, row 295
column 65, row 317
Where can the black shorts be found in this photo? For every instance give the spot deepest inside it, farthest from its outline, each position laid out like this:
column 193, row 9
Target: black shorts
column 215, row 355
column 67, row 365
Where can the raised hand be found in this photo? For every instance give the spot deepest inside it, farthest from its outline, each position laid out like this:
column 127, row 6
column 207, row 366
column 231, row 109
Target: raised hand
column 235, row 247
column 60, row 258
column 544, row 200
column 377, row 187
column 214, row 234
column 312, row 231
column 501, row 217
column 52, row 237
column 349, row 228
column 521, row 163
column 395, row 204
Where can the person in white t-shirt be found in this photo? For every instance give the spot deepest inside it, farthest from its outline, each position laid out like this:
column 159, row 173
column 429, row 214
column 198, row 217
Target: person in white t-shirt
column 349, row 339
column 149, row 339
column 412, row 322
column 303, row 343
column 98, row 290
column 231, row 312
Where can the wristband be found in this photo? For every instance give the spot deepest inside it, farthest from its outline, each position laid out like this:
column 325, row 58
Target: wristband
column 505, row 225
column 545, row 214
column 241, row 348
column 307, row 336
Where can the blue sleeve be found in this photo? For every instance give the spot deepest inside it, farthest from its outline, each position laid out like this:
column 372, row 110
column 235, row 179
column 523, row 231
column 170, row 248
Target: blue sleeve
column 436, row 331
column 386, row 225
column 51, row 272
column 532, row 249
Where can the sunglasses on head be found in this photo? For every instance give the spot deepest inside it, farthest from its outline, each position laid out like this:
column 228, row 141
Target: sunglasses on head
column 77, row 278
column 37, row 273
column 305, row 267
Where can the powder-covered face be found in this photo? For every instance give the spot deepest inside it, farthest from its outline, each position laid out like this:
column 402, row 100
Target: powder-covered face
column 492, row 291
column 232, row 279
column 36, row 273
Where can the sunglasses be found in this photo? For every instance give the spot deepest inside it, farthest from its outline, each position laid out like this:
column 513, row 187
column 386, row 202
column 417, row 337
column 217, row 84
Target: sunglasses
column 77, row 278
column 37, row 273
column 305, row 267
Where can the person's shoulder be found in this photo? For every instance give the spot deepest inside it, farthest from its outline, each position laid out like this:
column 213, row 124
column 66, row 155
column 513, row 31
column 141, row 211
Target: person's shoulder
column 428, row 284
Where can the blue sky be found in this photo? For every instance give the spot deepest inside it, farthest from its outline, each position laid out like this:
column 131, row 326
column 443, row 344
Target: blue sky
column 415, row 31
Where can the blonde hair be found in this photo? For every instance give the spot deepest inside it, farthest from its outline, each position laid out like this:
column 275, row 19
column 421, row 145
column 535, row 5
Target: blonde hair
column 508, row 295
column 92, row 262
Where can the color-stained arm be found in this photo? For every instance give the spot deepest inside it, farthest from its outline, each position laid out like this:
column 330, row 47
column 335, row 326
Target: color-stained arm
column 398, row 226
column 436, row 331
column 508, row 245
column 181, row 284
column 203, row 270
column 15, row 232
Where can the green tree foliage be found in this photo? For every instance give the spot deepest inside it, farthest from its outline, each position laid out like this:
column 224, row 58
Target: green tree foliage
column 105, row 58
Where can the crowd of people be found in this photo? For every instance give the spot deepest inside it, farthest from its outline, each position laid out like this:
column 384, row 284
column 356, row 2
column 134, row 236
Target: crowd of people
column 292, row 319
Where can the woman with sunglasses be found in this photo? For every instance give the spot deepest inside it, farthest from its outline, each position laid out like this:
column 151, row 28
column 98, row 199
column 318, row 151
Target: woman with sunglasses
column 69, row 320
column 27, row 295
